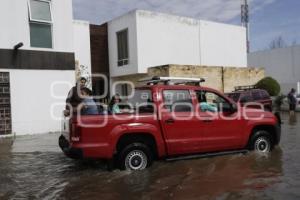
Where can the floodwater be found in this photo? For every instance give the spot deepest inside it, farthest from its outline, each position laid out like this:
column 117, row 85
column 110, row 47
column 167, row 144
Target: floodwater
column 33, row 167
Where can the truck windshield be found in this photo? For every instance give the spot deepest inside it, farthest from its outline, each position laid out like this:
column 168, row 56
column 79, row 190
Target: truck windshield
column 234, row 96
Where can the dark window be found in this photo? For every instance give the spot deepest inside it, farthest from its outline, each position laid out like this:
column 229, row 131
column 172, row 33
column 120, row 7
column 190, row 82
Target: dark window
column 246, row 97
column 265, row 95
column 40, row 23
column 256, row 95
column 122, row 40
column 177, row 100
column 142, row 101
column 234, row 96
column 124, row 89
column 212, row 102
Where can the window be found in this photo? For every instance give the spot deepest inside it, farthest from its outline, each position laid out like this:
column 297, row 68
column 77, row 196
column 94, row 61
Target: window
column 177, row 100
column 40, row 23
column 234, row 96
column 265, row 95
column 142, row 101
column 256, row 95
column 246, row 97
column 124, row 89
column 212, row 102
column 122, row 40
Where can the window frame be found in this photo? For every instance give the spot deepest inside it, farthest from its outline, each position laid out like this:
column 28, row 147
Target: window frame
column 31, row 19
column 126, row 60
column 173, row 108
column 216, row 94
column 41, row 22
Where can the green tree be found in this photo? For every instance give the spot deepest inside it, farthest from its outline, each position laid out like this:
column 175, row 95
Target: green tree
column 270, row 85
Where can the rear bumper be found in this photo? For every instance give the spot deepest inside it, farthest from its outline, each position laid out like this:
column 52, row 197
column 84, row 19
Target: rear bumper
column 74, row 153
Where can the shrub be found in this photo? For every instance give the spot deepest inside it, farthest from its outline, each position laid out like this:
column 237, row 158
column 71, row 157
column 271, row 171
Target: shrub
column 270, row 85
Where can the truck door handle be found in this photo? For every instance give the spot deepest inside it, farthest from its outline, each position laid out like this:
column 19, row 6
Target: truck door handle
column 170, row 121
column 207, row 120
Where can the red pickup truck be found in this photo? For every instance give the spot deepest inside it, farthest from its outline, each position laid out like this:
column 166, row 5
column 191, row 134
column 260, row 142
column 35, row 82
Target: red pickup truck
column 170, row 122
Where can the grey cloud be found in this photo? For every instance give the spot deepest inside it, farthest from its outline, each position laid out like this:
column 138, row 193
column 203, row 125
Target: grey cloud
column 99, row 11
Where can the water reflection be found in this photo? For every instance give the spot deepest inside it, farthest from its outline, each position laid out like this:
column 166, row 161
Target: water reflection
column 292, row 120
column 34, row 168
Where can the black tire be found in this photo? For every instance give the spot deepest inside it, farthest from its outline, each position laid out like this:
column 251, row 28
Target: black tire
column 135, row 156
column 261, row 142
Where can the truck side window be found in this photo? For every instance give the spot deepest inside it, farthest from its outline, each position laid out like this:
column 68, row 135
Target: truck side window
column 177, row 100
column 212, row 102
column 142, row 101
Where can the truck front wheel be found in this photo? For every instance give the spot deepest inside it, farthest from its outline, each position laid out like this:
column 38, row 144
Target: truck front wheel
column 261, row 142
column 135, row 156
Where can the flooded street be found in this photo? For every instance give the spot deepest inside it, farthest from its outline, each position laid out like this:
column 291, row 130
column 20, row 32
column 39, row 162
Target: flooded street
column 33, row 167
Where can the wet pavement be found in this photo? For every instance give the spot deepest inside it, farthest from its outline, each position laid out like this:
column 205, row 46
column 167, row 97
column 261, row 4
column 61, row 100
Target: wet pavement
column 33, row 167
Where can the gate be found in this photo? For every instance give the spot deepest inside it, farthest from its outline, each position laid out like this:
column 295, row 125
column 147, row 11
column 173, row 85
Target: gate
column 5, row 108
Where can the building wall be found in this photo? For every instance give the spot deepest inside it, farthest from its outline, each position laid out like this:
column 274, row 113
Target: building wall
column 100, row 61
column 224, row 79
column 34, row 70
column 99, row 48
column 14, row 23
column 114, row 26
column 159, row 39
column 282, row 64
column 36, row 108
column 167, row 39
column 82, row 46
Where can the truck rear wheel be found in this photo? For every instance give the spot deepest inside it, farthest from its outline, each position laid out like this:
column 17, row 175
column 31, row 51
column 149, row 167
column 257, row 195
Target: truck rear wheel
column 135, row 156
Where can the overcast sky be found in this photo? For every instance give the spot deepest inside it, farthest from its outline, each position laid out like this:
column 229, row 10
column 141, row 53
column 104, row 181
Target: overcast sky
column 269, row 18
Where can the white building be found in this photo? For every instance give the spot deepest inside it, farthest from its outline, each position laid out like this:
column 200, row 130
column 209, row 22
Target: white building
column 143, row 39
column 283, row 64
column 35, row 77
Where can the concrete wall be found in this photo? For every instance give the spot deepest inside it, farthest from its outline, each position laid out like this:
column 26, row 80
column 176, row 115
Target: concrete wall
column 32, row 106
column 14, row 23
column 282, row 64
column 157, row 39
column 221, row 78
column 82, row 46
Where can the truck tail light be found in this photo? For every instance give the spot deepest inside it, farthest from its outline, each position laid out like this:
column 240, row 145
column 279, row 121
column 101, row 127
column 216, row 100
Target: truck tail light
column 76, row 133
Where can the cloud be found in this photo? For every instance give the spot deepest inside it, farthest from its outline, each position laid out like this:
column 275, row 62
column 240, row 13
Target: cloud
column 99, row 11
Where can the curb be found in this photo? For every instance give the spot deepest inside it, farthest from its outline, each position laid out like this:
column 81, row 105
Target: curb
column 7, row 136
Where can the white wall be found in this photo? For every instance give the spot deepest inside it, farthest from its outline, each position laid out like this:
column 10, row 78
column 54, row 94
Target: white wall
column 82, row 45
column 223, row 45
column 114, row 26
column 14, row 25
column 33, row 101
column 167, row 39
column 283, row 64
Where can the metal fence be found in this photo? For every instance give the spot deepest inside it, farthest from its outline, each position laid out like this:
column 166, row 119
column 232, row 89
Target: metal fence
column 5, row 107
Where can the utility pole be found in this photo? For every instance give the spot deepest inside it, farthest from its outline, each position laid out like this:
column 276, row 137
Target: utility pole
column 245, row 21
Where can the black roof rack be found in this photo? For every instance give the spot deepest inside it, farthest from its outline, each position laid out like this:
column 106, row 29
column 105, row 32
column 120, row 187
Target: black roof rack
column 172, row 80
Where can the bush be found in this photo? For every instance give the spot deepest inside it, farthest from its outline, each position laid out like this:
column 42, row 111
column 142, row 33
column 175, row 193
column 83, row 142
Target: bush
column 270, row 85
